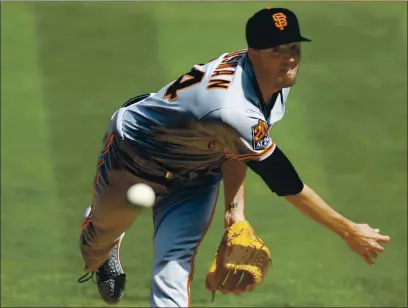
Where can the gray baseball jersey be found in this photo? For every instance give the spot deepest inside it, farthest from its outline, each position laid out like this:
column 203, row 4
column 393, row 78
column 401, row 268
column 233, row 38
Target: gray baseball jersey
column 190, row 126
column 207, row 115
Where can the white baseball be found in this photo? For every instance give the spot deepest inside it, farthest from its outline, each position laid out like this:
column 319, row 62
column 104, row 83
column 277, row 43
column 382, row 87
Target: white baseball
column 141, row 195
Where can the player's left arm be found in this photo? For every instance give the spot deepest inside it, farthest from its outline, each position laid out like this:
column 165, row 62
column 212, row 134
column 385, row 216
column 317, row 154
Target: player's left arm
column 282, row 178
column 233, row 173
column 246, row 134
column 251, row 143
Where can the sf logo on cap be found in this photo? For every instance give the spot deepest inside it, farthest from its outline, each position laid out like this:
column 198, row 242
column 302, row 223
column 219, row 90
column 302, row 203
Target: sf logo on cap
column 280, row 20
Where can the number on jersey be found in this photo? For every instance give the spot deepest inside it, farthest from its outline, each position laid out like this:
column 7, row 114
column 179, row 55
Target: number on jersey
column 192, row 78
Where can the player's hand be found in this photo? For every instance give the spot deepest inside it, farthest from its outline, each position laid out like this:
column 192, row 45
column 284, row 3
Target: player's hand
column 232, row 216
column 366, row 242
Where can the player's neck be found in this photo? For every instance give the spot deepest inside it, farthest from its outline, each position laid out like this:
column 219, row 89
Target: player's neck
column 266, row 90
column 263, row 84
column 264, row 87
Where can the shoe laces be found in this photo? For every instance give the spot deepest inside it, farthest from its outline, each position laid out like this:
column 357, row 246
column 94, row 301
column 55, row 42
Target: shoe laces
column 86, row 277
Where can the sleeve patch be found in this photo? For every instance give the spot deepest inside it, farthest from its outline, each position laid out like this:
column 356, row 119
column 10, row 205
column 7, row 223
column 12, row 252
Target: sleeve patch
column 260, row 136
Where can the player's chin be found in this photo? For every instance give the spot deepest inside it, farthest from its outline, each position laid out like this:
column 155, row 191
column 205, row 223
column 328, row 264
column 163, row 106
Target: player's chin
column 287, row 81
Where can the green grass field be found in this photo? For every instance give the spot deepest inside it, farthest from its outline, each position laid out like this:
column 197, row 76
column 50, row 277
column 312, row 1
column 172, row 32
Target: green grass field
column 66, row 67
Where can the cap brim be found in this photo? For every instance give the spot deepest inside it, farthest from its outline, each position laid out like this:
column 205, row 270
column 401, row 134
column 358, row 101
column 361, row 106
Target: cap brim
column 303, row 39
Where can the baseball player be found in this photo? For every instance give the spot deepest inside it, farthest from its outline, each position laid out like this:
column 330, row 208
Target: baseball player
column 208, row 125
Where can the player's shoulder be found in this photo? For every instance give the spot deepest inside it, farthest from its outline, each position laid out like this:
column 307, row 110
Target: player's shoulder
column 225, row 60
column 241, row 115
column 227, row 85
column 218, row 84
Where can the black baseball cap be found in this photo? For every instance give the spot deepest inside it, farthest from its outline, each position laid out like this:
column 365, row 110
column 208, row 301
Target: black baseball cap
column 271, row 27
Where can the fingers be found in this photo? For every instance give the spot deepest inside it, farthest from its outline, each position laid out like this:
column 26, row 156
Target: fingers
column 380, row 238
column 369, row 256
column 372, row 254
column 375, row 235
column 367, row 243
column 374, row 246
column 367, row 259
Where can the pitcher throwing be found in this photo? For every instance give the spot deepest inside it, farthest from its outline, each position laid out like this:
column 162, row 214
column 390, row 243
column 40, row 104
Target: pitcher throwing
column 208, row 125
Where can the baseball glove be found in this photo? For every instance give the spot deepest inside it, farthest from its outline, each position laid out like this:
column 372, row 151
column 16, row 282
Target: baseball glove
column 241, row 263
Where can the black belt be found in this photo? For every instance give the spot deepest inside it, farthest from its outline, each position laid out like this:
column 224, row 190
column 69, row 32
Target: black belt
column 159, row 175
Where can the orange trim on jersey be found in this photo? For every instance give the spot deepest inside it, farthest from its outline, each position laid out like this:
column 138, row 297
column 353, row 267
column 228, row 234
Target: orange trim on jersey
column 190, row 277
column 110, row 138
column 101, row 162
column 252, row 156
column 237, row 52
column 86, row 222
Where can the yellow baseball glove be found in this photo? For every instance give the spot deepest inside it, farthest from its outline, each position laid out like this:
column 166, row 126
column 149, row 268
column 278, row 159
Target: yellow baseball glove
column 241, row 263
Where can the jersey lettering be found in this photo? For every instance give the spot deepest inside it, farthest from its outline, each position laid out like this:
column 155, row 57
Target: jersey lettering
column 218, row 84
column 223, row 72
column 227, row 67
column 192, row 78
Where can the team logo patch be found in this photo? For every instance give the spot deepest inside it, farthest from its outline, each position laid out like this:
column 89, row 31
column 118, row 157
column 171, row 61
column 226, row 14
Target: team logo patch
column 260, row 136
column 280, row 20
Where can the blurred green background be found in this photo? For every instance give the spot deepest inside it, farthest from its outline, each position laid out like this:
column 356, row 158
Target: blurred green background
column 66, row 67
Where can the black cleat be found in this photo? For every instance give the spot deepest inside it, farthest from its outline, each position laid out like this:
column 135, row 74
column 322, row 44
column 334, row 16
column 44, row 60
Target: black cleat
column 110, row 278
